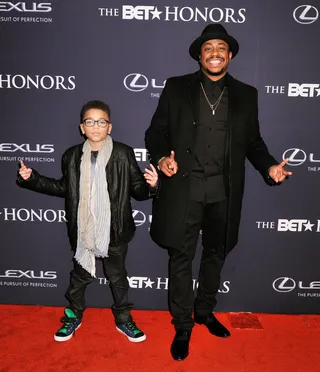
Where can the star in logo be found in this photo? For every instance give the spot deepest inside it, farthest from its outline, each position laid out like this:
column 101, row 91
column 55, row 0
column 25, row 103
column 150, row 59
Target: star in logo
column 155, row 13
column 308, row 226
column 318, row 91
column 148, row 283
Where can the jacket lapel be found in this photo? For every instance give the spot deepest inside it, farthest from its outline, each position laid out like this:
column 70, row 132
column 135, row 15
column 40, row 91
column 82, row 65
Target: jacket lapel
column 193, row 93
column 233, row 109
column 233, row 101
column 77, row 161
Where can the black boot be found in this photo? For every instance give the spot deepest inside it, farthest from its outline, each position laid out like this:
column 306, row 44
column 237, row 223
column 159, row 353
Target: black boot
column 180, row 345
column 213, row 325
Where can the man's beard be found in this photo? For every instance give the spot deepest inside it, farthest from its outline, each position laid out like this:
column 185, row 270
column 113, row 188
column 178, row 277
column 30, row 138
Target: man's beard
column 217, row 73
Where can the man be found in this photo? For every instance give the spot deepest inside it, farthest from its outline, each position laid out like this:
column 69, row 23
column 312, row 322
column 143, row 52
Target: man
column 204, row 127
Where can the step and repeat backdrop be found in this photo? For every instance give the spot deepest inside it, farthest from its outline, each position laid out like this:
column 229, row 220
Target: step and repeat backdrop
column 57, row 55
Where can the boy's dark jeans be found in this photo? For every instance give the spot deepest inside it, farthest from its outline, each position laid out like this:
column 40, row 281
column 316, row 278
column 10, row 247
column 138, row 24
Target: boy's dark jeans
column 114, row 267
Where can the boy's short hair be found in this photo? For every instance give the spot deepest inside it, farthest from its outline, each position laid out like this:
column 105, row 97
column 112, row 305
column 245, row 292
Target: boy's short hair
column 99, row 105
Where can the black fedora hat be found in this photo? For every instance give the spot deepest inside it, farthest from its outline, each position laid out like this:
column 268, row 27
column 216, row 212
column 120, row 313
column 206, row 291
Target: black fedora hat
column 213, row 31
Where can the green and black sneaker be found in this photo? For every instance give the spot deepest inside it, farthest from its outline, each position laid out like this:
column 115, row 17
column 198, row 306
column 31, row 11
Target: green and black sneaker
column 131, row 330
column 70, row 324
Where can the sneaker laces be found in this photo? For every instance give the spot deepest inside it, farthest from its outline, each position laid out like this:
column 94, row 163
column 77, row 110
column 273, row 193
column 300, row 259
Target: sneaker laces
column 68, row 322
column 132, row 326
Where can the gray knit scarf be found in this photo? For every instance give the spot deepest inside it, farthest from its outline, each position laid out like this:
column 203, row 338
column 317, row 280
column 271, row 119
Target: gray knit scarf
column 94, row 214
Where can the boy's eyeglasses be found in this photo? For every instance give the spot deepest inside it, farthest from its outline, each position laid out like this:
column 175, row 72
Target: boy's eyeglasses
column 102, row 123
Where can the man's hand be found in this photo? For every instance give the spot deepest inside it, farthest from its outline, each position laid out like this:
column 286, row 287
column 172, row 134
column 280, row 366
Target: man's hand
column 24, row 172
column 151, row 176
column 168, row 165
column 278, row 173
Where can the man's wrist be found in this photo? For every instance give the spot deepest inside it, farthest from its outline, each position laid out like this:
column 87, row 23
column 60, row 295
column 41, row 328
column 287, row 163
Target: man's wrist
column 268, row 171
column 160, row 161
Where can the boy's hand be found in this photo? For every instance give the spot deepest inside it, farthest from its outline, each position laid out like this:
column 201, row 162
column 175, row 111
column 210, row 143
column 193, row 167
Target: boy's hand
column 151, row 176
column 24, row 172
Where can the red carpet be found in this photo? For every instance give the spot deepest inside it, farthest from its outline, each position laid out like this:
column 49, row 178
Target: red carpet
column 259, row 343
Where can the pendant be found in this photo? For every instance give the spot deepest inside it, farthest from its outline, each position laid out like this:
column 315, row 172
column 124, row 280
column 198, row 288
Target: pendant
column 213, row 112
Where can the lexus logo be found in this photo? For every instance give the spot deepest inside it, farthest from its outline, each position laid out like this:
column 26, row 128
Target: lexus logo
column 284, row 284
column 296, row 156
column 136, row 82
column 305, row 14
column 139, row 217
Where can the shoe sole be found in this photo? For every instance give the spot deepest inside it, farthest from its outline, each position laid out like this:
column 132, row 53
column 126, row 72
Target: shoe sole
column 66, row 338
column 131, row 339
column 178, row 359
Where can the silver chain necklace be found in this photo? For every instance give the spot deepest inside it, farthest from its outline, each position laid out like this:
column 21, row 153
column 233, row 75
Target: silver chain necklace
column 215, row 105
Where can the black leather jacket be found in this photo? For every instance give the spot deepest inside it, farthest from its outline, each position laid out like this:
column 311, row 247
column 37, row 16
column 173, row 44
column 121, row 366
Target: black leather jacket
column 125, row 180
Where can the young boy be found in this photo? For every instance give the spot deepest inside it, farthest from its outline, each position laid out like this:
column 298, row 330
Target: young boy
column 98, row 178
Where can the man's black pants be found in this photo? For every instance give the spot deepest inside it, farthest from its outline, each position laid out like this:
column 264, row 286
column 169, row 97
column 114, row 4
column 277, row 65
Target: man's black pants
column 115, row 271
column 212, row 219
